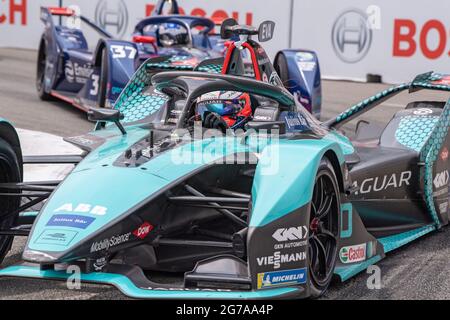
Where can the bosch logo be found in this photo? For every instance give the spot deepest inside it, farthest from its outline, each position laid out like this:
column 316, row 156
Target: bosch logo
column 351, row 36
column 15, row 13
column 112, row 15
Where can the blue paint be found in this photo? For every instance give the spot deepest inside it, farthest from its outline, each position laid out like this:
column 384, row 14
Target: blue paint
column 283, row 277
column 69, row 220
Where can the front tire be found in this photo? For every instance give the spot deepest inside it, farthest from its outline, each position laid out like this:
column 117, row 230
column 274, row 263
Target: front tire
column 40, row 72
column 9, row 172
column 324, row 228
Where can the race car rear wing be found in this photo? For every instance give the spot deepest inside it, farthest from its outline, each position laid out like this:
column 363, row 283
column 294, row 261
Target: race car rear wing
column 47, row 14
column 425, row 81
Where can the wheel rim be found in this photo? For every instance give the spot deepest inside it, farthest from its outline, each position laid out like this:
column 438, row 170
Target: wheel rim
column 323, row 229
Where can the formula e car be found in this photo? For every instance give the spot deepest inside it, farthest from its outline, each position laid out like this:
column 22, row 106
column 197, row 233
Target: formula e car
column 163, row 205
column 70, row 69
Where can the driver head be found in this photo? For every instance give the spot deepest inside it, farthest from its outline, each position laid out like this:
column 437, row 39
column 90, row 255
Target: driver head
column 232, row 107
column 172, row 34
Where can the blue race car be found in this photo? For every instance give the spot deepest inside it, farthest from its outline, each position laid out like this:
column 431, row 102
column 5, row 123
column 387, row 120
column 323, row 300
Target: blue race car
column 94, row 76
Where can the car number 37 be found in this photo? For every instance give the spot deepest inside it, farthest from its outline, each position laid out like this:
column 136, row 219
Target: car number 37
column 123, row 52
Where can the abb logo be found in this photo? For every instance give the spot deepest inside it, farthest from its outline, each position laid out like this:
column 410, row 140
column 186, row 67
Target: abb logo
column 218, row 15
column 14, row 9
column 407, row 37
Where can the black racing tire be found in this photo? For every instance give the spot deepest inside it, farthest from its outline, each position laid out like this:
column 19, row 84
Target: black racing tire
column 281, row 67
column 9, row 172
column 103, row 82
column 40, row 72
column 323, row 230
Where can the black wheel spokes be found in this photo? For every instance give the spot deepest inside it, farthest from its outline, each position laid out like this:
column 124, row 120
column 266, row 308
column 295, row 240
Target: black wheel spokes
column 322, row 241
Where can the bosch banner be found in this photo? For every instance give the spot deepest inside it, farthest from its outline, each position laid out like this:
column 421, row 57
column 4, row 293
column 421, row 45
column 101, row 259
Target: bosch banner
column 394, row 39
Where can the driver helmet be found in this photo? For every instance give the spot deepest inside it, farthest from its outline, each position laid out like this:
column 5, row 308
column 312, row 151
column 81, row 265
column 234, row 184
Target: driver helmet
column 172, row 34
column 234, row 108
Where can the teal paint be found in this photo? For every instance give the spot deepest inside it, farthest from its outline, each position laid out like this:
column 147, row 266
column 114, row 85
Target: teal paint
column 127, row 287
column 347, row 207
column 349, row 271
column 396, row 241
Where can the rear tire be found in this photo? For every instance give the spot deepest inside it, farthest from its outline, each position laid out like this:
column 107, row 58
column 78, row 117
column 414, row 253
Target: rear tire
column 9, row 172
column 103, row 82
column 324, row 228
column 40, row 72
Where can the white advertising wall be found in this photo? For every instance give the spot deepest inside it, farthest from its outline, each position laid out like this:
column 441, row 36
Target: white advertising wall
column 394, row 39
column 120, row 16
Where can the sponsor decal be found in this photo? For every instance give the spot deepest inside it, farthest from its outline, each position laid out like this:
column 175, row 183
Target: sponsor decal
column 383, row 183
column 305, row 61
column 77, row 73
column 284, row 277
column 278, row 259
column 112, row 15
column 83, row 208
column 106, row 244
column 423, row 112
column 72, row 221
column 216, row 15
column 431, row 38
column 441, row 179
column 17, row 10
column 353, row 254
column 56, row 237
column 100, row 264
column 143, row 231
column 304, row 56
column 289, row 234
column 351, row 36
column 275, row 79
column 293, row 237
column 296, row 122
column 443, row 207
column 444, row 154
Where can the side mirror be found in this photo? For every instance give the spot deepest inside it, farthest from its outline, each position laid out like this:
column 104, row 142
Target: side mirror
column 146, row 40
column 107, row 115
column 265, row 31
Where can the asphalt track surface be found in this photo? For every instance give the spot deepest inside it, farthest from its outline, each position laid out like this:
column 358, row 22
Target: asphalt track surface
column 420, row 270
